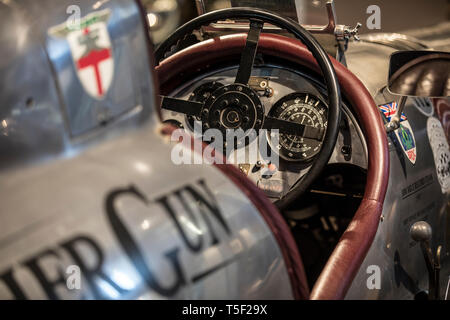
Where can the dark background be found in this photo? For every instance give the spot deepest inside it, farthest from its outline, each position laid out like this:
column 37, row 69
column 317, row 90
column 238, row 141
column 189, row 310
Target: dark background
column 396, row 15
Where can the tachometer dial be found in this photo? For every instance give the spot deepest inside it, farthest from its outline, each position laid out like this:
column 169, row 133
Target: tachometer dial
column 303, row 108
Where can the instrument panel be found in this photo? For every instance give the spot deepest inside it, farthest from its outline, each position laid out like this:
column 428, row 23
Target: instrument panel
column 286, row 94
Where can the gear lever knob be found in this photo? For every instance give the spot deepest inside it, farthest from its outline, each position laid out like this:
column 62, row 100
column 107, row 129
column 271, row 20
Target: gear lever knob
column 420, row 231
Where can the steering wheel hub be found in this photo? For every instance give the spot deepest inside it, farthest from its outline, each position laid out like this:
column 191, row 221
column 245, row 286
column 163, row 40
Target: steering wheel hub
column 236, row 106
column 231, row 117
column 233, row 106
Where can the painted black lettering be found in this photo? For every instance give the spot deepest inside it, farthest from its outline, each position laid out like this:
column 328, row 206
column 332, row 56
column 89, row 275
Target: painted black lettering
column 94, row 272
column 47, row 284
column 208, row 207
column 132, row 250
column 14, row 287
column 164, row 201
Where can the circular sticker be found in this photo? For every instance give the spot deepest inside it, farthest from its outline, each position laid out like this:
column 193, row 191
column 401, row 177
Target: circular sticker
column 441, row 152
column 424, row 105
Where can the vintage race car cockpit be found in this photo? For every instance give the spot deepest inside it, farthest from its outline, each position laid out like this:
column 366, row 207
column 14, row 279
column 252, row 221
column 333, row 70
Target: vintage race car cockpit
column 221, row 150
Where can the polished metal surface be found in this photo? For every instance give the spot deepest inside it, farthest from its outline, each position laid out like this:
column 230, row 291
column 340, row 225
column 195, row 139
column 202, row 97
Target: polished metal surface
column 45, row 111
column 421, row 231
column 395, row 40
column 436, row 36
column 57, row 213
column 102, row 200
column 87, row 184
column 414, row 194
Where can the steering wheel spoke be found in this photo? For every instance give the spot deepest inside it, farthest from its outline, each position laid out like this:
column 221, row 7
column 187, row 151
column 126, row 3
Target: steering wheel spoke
column 190, row 108
column 243, row 112
column 249, row 52
column 294, row 128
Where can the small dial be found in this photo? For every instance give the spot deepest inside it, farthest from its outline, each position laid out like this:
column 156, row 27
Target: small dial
column 303, row 108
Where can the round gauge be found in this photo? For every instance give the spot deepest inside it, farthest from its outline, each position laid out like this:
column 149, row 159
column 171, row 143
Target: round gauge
column 303, row 108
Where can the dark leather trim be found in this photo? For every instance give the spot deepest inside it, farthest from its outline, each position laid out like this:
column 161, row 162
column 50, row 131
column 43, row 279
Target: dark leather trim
column 271, row 216
column 352, row 248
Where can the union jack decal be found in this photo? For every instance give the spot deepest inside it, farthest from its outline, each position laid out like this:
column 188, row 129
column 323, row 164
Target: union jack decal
column 389, row 110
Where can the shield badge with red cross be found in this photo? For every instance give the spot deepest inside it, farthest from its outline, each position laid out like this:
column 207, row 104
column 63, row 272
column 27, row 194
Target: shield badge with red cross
column 91, row 50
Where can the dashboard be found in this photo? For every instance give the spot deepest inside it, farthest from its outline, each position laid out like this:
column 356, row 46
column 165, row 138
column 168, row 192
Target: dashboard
column 275, row 161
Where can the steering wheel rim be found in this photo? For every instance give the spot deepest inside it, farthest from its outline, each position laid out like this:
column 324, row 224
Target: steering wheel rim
column 319, row 54
column 349, row 254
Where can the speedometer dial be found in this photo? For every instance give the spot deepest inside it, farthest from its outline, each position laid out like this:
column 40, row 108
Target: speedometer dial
column 303, row 108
